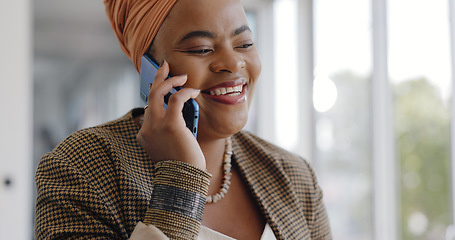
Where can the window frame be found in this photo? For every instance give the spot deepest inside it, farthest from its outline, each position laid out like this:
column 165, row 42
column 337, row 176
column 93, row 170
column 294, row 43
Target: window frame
column 385, row 190
column 450, row 232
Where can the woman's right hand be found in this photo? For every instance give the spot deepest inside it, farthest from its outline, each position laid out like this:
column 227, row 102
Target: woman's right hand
column 164, row 135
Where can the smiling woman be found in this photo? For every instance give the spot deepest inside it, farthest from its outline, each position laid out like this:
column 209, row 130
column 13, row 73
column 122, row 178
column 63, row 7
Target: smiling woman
column 145, row 176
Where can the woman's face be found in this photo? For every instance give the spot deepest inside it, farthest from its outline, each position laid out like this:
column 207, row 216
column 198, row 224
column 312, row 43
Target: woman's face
column 211, row 42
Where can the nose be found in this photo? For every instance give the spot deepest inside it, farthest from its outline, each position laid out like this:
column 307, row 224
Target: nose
column 227, row 60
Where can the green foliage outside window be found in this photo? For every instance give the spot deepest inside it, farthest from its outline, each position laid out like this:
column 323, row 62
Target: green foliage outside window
column 422, row 121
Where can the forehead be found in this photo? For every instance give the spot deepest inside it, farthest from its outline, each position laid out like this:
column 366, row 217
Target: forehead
column 211, row 15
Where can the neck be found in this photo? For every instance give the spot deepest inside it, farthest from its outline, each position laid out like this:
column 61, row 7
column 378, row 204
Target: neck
column 214, row 152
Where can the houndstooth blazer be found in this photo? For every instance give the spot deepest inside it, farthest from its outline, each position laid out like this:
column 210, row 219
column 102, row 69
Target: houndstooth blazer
column 98, row 182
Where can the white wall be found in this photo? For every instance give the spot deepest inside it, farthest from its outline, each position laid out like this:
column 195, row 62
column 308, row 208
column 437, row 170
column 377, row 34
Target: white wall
column 16, row 201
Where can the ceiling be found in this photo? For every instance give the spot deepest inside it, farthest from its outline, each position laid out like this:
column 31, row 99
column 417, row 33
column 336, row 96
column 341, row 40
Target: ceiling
column 73, row 29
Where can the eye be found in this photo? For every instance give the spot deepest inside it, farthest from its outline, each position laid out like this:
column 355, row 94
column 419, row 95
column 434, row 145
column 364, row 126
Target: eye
column 200, row 51
column 245, row 45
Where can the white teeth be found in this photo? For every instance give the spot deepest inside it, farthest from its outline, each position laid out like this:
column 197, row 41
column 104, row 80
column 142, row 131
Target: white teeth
column 234, row 91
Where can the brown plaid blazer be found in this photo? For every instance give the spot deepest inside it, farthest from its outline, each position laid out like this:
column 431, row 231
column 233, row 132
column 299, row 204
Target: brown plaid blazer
column 98, row 182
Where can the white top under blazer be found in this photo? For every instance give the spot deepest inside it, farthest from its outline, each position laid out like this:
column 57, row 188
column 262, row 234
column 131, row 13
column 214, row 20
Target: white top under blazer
column 143, row 232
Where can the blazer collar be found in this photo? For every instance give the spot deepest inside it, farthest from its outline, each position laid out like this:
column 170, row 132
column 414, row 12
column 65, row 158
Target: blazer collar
column 271, row 188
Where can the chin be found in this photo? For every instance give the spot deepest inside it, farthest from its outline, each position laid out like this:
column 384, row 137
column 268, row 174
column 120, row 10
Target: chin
column 222, row 126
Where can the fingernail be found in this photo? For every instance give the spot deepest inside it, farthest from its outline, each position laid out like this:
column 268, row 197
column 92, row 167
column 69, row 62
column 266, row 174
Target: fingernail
column 197, row 92
column 162, row 63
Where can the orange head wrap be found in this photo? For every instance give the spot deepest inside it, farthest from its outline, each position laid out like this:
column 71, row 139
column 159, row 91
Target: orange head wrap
column 136, row 22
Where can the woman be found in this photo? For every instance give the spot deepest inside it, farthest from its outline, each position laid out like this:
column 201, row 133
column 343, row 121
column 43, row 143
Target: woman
column 145, row 176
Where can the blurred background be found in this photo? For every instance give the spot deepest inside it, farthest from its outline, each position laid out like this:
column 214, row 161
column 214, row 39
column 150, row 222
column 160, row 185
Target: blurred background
column 360, row 88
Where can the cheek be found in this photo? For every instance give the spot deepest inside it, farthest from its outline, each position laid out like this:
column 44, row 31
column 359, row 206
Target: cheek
column 250, row 94
column 195, row 80
column 255, row 67
column 195, row 76
column 254, row 71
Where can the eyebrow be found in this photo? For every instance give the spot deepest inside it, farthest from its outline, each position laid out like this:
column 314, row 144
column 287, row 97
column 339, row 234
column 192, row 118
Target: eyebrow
column 195, row 34
column 241, row 29
column 207, row 34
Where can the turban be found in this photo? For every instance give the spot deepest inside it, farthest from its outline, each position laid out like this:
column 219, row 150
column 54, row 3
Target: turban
column 136, row 23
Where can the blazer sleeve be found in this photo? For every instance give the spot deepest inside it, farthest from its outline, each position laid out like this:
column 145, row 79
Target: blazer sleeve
column 320, row 228
column 68, row 205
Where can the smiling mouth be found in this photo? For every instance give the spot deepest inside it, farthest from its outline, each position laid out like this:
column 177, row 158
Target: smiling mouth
column 230, row 91
column 231, row 95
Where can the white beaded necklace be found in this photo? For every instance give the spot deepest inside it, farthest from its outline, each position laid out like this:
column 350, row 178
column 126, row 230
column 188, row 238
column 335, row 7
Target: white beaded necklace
column 227, row 175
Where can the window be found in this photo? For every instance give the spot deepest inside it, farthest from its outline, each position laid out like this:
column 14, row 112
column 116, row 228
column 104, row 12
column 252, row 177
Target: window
column 420, row 73
column 381, row 93
column 341, row 97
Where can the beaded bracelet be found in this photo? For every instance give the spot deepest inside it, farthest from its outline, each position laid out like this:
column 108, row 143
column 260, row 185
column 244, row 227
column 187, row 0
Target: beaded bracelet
column 182, row 175
column 178, row 199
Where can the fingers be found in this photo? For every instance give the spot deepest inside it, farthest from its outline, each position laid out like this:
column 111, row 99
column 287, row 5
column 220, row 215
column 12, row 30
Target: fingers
column 177, row 100
column 159, row 89
column 162, row 73
column 161, row 86
column 164, row 134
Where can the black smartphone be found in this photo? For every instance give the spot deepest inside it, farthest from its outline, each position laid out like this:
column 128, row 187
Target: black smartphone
column 190, row 109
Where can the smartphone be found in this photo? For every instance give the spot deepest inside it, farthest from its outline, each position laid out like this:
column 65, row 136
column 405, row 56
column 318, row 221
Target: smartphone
column 190, row 109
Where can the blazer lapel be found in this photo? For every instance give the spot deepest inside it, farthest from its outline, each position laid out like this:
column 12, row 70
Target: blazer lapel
column 271, row 188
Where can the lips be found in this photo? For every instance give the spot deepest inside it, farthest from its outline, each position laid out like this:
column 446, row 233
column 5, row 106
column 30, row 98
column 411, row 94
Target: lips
column 231, row 93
